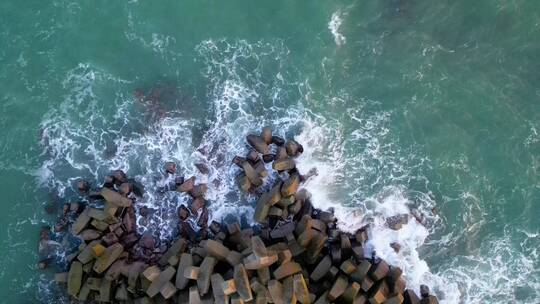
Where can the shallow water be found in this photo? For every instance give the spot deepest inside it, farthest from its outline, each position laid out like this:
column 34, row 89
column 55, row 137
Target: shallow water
column 401, row 105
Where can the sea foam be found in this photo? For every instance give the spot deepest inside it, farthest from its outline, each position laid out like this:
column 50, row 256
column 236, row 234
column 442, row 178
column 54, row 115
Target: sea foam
column 334, row 26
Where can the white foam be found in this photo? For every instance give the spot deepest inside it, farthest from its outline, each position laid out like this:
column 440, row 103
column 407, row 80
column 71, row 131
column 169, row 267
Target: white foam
column 334, row 26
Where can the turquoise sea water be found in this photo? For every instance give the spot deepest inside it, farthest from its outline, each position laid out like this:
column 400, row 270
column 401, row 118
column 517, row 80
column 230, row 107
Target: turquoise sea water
column 425, row 106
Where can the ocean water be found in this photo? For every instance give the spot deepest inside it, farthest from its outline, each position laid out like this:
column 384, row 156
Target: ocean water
column 403, row 106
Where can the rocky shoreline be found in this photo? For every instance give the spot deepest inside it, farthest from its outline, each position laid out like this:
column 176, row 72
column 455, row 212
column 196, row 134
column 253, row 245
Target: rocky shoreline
column 295, row 253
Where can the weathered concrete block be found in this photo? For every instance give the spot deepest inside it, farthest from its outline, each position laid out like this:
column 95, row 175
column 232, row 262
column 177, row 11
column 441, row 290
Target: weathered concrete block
column 314, row 248
column 187, row 185
column 346, row 246
column 87, row 254
column 358, row 252
column 380, row 293
column 296, row 208
column 266, row 135
column 168, row 290
column 339, row 287
column 243, row 182
column 318, row 225
column 191, row 272
column 361, row 271
column 87, row 268
column 347, row 267
column 288, row 290
column 251, row 174
column 276, row 291
column 198, row 191
column 134, row 271
column 290, row 185
column 110, row 255
column 157, row 285
column 300, row 289
column 99, row 225
column 236, row 299
column 253, row 262
column 173, row 261
column 286, row 270
column 183, row 297
column 83, row 293
column 258, row 143
column 206, row 270
column 117, row 268
column 228, row 287
column 332, row 273
column 61, row 277
column 264, row 275
column 295, row 248
column 258, row 247
column 261, row 209
column 285, row 202
column 241, row 282
column 177, row 247
column 90, row 234
column 410, row 297
column 105, row 291
column 366, row 283
column 379, row 270
column 275, row 211
column 361, row 299
column 217, row 282
column 110, row 209
column 194, row 297
column 293, row 147
column 74, row 280
column 274, row 195
column 151, row 273
column 284, row 256
column 395, row 299
column 305, row 237
column 216, row 250
column 304, row 223
column 98, row 214
column 321, row 269
column 323, row 299
column 121, row 293
column 361, row 236
column 260, row 169
column 261, row 299
column 81, row 222
column 115, row 198
column 93, row 283
column 283, row 230
column 398, row 286
column 429, row 300
column 98, row 250
column 351, row 292
column 186, row 260
column 283, row 164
